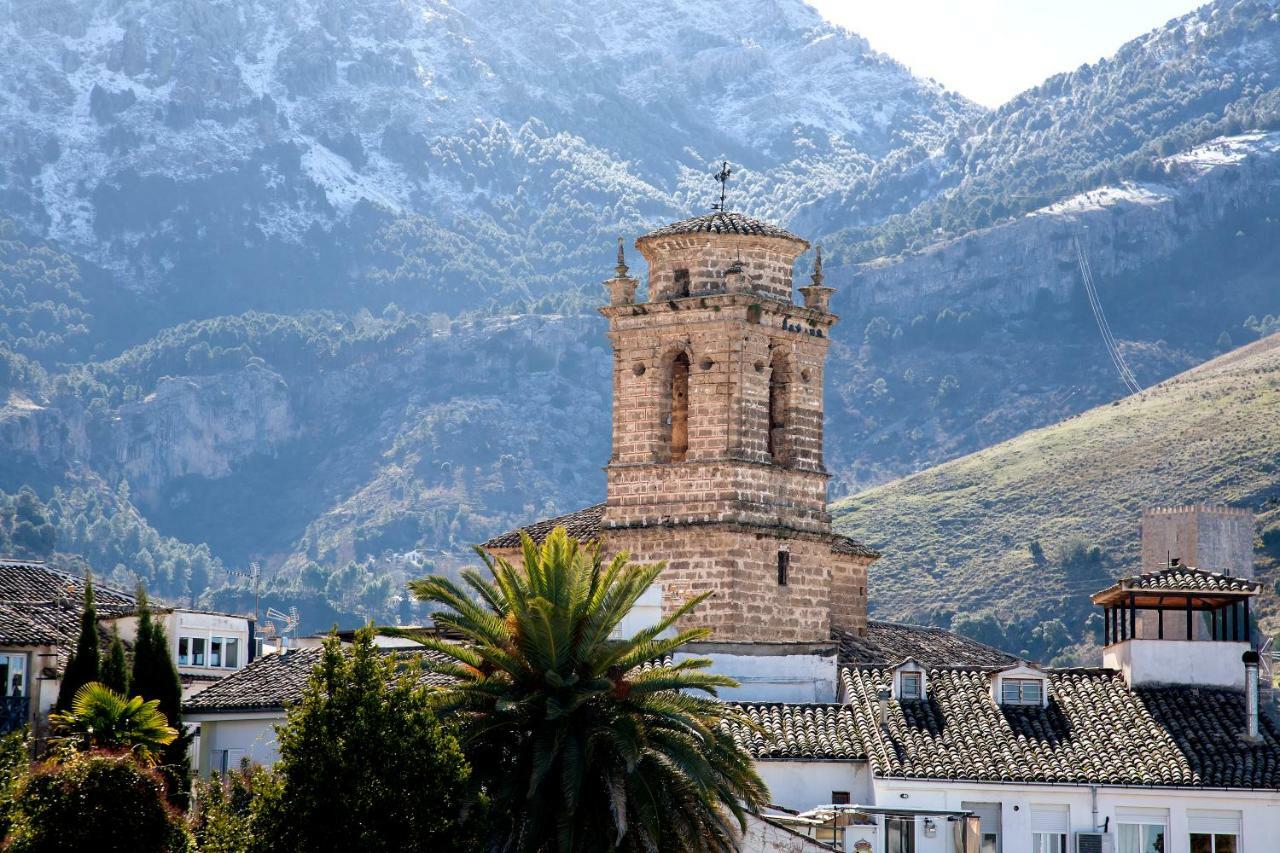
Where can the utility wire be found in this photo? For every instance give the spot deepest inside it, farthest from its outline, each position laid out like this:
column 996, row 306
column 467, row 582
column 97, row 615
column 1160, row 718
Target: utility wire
column 1104, row 328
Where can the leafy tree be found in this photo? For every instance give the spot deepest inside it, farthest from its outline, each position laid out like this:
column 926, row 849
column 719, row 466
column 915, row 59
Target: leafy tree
column 15, row 759
column 222, row 815
column 83, row 665
column 115, row 669
column 582, row 744
column 101, row 718
column 365, row 764
column 95, row 801
column 156, row 677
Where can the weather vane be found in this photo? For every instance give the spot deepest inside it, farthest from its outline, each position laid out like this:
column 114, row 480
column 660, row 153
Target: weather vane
column 723, row 177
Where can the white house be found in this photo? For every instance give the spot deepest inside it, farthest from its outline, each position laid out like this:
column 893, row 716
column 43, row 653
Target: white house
column 40, row 609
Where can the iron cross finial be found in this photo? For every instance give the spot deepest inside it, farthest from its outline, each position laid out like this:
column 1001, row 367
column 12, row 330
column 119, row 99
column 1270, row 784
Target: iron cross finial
column 723, row 177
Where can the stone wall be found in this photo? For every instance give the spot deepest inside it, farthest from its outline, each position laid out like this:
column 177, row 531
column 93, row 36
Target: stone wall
column 695, row 264
column 849, row 593
column 1216, row 538
column 738, row 565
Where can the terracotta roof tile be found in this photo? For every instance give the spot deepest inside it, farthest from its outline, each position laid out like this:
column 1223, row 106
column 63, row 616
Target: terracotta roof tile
column 804, row 732
column 275, row 681
column 583, row 525
column 1188, row 579
column 1095, row 729
column 890, row 643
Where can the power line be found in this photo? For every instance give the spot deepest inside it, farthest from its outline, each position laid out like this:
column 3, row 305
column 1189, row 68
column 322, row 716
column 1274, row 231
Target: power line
column 1104, row 328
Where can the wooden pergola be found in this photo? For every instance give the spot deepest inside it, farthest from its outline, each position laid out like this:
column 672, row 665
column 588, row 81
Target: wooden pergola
column 1182, row 590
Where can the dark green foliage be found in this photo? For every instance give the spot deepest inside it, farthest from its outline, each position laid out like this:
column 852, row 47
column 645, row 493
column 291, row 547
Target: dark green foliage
column 15, row 761
column 115, row 669
column 222, row 814
column 365, row 764
column 585, row 746
column 84, row 664
column 156, row 677
column 95, row 801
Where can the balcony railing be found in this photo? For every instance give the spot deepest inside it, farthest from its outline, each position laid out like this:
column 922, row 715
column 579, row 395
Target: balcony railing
column 15, row 712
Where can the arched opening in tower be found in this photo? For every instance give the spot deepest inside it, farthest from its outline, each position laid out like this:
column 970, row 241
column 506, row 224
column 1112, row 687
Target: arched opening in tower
column 680, row 407
column 778, row 387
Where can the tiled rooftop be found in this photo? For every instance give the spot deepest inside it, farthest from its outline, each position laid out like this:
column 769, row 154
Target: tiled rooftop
column 40, row 605
column 274, row 681
column 1095, row 729
column 723, row 222
column 799, row 732
column 1183, row 579
column 585, row 525
column 890, row 643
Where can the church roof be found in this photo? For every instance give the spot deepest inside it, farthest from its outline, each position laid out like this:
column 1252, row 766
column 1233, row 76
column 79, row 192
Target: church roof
column 724, row 222
column 583, row 525
column 890, row 643
column 586, row 524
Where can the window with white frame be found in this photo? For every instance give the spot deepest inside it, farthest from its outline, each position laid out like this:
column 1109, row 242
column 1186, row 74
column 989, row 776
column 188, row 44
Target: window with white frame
column 213, row 651
column 1141, row 830
column 1050, row 828
column 910, row 685
column 13, row 674
column 1022, row 691
column 1214, row 831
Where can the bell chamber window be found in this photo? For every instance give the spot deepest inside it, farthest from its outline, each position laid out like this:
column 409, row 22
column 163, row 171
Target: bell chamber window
column 779, row 386
column 680, row 284
column 678, row 420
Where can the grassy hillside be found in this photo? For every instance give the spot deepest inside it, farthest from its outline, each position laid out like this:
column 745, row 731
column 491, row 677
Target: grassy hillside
column 997, row 541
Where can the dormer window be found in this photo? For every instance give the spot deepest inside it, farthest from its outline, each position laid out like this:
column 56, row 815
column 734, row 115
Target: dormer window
column 1022, row 691
column 1024, row 684
column 909, row 684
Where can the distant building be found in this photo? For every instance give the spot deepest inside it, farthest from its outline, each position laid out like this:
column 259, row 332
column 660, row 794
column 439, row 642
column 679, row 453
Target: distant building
column 40, row 611
column 1211, row 535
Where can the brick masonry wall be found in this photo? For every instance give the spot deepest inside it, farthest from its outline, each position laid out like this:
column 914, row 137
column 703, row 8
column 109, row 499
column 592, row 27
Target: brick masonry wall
column 739, row 566
column 766, row 262
column 849, row 593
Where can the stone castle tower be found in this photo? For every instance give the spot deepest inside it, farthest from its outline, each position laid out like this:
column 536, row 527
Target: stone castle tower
column 717, row 463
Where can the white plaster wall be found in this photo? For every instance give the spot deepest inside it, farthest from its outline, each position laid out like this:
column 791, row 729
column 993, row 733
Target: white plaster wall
column 1260, row 810
column 645, row 613
column 776, row 678
column 763, row 837
column 802, row 785
column 254, row 733
column 1210, row 664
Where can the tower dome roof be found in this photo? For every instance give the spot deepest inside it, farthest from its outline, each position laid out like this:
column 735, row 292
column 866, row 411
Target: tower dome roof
column 724, row 222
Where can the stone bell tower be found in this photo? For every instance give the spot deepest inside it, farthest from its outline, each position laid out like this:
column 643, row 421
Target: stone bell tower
column 717, row 462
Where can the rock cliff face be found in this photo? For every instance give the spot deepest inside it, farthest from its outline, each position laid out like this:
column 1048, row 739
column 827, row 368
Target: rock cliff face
column 1123, row 230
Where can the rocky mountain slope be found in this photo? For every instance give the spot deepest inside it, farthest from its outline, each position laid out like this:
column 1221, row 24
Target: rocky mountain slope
column 224, row 156
column 1022, row 532
column 312, row 281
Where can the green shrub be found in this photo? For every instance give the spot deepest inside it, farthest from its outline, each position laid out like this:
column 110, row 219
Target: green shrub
column 96, row 801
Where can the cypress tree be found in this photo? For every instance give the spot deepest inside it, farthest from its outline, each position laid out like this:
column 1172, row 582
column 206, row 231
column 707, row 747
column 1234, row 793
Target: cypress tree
column 84, row 663
column 156, row 677
column 115, row 669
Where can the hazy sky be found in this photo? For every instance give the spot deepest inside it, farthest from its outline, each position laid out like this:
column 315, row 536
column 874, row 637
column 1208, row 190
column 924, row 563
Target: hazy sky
column 989, row 50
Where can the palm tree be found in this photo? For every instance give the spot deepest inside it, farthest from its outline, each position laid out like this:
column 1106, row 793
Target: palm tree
column 586, row 742
column 101, row 718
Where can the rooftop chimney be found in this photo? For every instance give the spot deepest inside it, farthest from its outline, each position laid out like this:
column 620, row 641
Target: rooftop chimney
column 1250, row 659
column 882, row 706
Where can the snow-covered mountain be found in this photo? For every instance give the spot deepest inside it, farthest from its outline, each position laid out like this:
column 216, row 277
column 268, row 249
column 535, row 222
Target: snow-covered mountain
column 443, row 154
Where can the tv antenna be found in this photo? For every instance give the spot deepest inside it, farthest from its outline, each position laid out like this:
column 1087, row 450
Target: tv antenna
column 723, row 177
column 289, row 620
column 255, row 580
